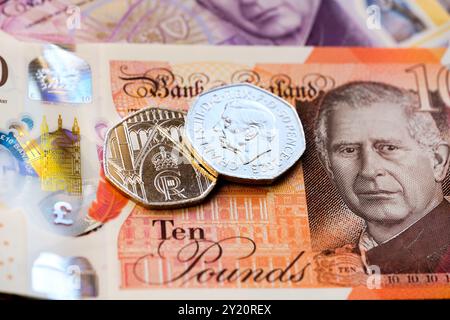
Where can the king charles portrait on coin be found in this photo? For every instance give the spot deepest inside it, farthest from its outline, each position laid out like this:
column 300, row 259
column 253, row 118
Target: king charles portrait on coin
column 388, row 160
column 245, row 133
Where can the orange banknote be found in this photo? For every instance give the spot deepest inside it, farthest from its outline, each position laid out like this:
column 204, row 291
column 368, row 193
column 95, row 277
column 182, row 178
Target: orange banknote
column 365, row 208
column 363, row 214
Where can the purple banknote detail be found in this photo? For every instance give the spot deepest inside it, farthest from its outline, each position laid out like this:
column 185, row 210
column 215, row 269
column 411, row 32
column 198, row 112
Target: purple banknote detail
column 235, row 22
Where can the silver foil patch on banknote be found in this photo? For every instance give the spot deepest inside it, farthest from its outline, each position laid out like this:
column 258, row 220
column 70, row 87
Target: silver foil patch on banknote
column 245, row 133
column 59, row 76
column 68, row 214
column 146, row 157
column 59, row 277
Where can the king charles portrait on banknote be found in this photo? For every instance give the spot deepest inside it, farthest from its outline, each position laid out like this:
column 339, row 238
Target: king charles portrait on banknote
column 387, row 160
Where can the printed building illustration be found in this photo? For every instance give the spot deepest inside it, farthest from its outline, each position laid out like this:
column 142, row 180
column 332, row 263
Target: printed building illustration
column 60, row 158
column 274, row 217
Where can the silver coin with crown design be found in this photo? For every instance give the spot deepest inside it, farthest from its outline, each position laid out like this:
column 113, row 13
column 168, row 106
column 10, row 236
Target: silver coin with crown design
column 145, row 156
column 245, row 133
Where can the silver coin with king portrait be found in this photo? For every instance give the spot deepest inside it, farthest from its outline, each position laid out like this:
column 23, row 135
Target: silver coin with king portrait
column 245, row 133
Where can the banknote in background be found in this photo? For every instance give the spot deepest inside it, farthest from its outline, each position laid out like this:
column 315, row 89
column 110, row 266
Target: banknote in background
column 242, row 237
column 310, row 229
column 237, row 22
column 48, row 146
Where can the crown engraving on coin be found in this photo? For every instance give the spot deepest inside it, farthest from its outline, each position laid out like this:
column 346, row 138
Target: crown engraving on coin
column 146, row 158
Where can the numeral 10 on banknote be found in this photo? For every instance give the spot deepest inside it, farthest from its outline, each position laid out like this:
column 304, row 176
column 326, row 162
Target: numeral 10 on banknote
column 443, row 85
column 3, row 71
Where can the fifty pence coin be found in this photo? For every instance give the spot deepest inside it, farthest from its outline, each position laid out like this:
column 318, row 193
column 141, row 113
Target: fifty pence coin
column 145, row 157
column 245, row 133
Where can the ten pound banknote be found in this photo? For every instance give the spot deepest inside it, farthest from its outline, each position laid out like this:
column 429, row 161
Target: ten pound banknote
column 366, row 207
column 362, row 215
column 365, row 23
